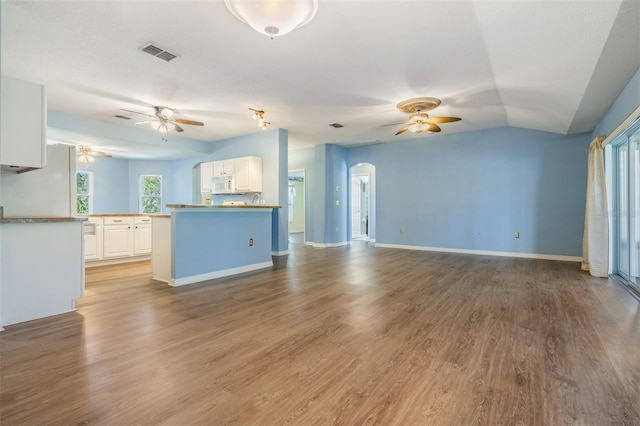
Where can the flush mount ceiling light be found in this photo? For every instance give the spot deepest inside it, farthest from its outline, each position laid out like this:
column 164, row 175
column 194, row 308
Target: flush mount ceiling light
column 273, row 18
column 258, row 115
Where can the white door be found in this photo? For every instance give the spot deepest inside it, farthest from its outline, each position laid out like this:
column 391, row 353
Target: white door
column 356, row 208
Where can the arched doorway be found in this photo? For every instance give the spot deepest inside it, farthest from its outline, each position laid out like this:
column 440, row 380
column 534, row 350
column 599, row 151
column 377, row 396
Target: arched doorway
column 362, row 217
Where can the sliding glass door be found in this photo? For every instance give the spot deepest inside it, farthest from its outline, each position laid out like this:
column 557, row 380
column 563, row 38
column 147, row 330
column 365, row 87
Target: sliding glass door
column 626, row 232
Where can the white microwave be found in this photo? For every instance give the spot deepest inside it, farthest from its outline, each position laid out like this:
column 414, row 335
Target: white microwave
column 222, row 184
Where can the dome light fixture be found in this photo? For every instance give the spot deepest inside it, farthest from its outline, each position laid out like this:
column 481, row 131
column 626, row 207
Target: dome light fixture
column 273, row 18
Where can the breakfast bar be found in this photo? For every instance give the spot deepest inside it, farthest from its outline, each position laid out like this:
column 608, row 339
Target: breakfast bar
column 201, row 242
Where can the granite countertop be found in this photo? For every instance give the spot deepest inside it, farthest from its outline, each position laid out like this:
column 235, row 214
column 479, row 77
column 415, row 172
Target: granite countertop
column 40, row 219
column 117, row 214
column 206, row 206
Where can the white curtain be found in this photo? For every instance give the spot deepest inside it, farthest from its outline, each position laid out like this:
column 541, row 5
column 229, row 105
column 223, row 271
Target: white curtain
column 595, row 243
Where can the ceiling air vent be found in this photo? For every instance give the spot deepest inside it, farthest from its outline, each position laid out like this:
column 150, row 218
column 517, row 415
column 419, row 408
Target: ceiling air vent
column 122, row 117
column 158, row 52
column 336, row 125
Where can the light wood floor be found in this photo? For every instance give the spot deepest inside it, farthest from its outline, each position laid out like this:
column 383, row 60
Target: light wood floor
column 352, row 335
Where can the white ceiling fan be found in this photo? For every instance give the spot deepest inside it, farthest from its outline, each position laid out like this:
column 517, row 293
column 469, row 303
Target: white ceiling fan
column 86, row 154
column 164, row 120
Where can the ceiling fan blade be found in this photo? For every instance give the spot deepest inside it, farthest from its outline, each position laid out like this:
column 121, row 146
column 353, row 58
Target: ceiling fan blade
column 136, row 112
column 443, row 119
column 144, row 121
column 175, row 127
column 100, row 154
column 404, row 129
column 190, row 122
column 433, row 128
column 393, row 124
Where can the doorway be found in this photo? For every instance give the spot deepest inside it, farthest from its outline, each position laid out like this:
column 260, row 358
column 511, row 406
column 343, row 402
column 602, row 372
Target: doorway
column 362, row 195
column 296, row 206
column 626, row 193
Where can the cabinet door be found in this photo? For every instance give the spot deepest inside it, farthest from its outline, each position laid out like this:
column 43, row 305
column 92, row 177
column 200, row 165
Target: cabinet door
column 90, row 243
column 248, row 175
column 218, row 168
column 141, row 239
column 93, row 242
column 206, row 171
column 243, row 178
column 228, row 167
column 117, row 241
column 23, row 124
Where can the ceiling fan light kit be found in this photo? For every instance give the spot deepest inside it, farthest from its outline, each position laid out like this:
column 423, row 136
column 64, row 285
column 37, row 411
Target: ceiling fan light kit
column 273, row 18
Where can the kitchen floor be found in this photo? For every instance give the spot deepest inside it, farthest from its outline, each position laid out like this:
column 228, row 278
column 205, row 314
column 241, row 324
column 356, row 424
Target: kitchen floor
column 346, row 335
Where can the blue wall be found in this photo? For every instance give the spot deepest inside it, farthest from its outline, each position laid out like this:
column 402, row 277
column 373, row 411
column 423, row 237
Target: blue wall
column 625, row 104
column 474, row 190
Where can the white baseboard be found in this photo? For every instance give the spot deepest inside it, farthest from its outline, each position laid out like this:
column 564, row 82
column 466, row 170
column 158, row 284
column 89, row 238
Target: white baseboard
column 280, row 253
column 323, row 245
column 485, row 252
column 175, row 282
column 115, row 260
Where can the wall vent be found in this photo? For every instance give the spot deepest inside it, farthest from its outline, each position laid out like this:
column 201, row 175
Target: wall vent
column 122, row 117
column 336, row 125
column 153, row 50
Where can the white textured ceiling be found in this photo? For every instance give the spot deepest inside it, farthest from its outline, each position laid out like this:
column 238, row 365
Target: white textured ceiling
column 548, row 65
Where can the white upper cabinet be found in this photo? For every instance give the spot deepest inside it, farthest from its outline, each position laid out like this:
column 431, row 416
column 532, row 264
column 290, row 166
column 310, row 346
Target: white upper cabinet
column 248, row 174
column 23, row 125
column 206, row 172
column 224, row 167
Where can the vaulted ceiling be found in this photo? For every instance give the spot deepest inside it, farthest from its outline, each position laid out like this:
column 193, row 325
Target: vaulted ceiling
column 549, row 65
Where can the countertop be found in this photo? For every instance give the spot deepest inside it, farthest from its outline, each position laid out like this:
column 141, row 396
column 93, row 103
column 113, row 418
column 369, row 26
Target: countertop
column 218, row 206
column 117, row 214
column 40, row 219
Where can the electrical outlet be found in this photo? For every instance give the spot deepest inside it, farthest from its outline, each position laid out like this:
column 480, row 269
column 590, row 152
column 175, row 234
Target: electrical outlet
column 337, row 229
column 337, row 202
column 402, row 230
column 516, row 234
column 250, row 242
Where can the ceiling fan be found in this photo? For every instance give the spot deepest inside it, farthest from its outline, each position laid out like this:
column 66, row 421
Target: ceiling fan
column 419, row 120
column 163, row 120
column 86, row 154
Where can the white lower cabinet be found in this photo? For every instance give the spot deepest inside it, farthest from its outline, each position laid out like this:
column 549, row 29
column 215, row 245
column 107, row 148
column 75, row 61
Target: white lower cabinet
column 141, row 235
column 93, row 238
column 118, row 239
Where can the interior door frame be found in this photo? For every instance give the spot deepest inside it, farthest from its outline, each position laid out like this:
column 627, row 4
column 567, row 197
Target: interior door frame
column 304, row 200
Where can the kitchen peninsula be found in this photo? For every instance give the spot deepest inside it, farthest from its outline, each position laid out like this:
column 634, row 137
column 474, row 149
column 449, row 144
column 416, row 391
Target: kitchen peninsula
column 202, row 242
column 42, row 267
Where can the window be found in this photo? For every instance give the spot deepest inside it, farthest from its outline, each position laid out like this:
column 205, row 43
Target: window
column 626, row 193
column 150, row 194
column 84, row 192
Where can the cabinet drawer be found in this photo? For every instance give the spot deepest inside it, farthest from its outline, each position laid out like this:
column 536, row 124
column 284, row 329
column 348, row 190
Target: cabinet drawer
column 142, row 220
column 118, row 220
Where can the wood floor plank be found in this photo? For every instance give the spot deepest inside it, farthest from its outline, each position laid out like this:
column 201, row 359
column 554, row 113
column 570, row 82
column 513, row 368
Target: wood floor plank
column 348, row 335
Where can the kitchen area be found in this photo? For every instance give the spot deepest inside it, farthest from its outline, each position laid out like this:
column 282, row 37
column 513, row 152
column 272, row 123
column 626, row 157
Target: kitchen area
column 219, row 213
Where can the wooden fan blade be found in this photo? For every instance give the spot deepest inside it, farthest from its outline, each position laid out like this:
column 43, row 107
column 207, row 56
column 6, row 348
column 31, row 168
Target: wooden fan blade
column 433, row 128
column 404, row 129
column 443, row 119
column 394, row 124
column 190, row 122
column 175, row 127
column 100, row 154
